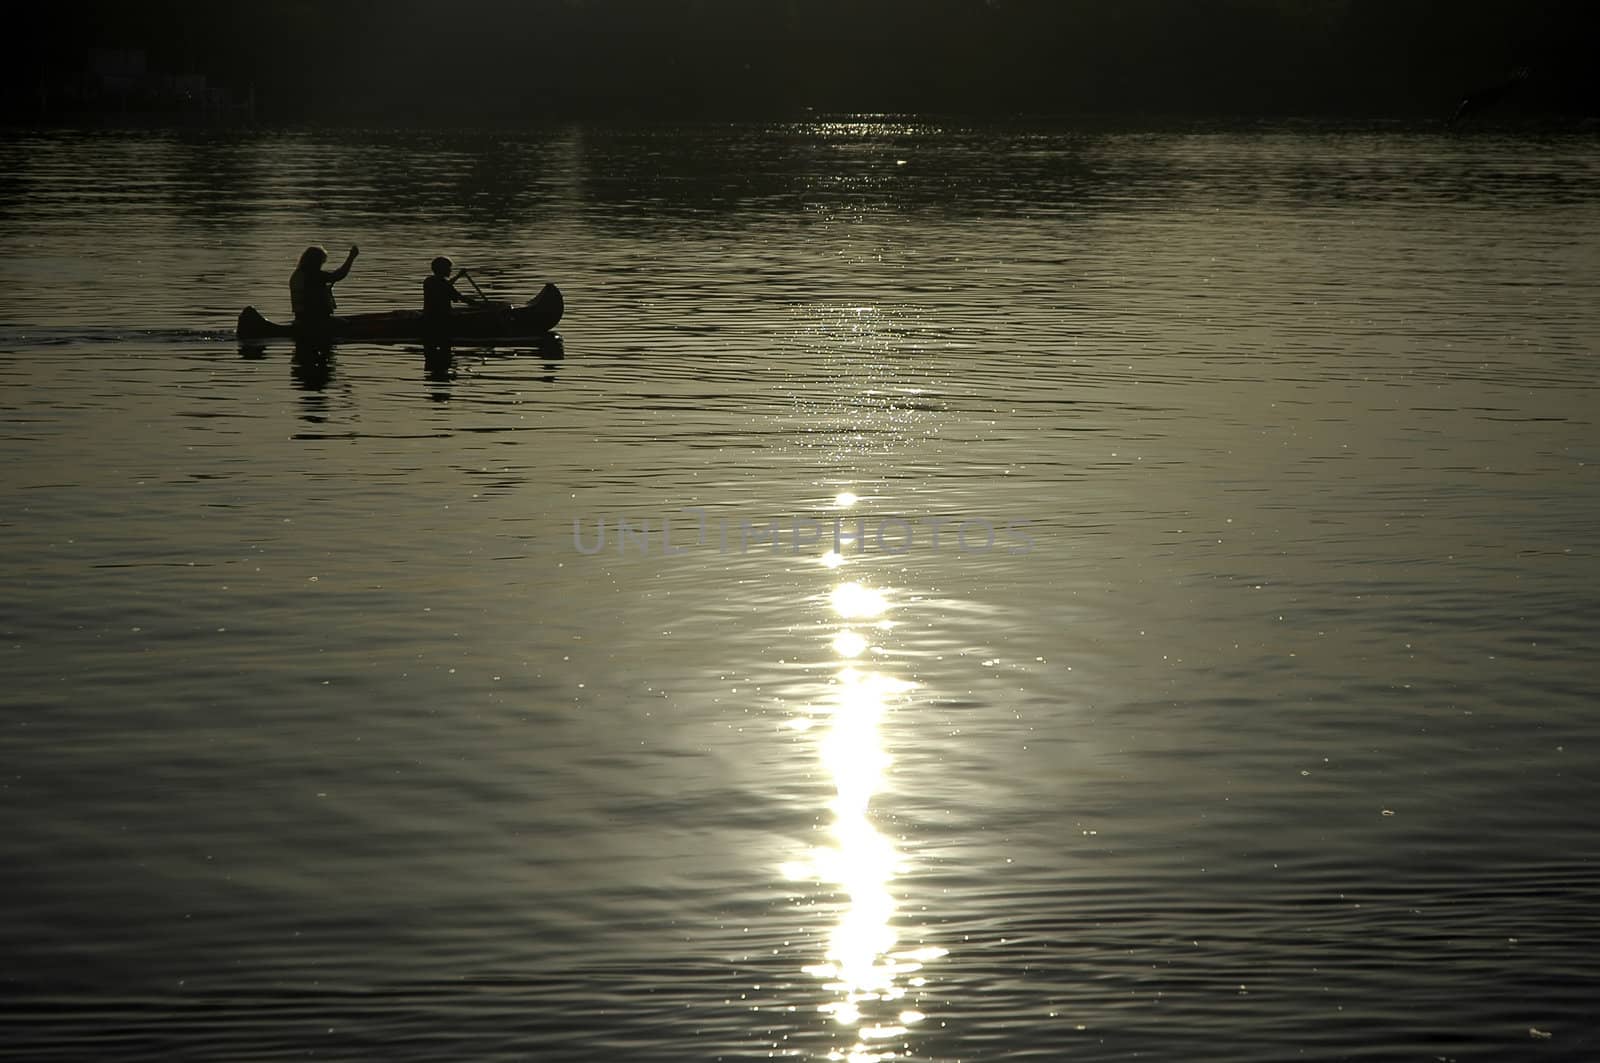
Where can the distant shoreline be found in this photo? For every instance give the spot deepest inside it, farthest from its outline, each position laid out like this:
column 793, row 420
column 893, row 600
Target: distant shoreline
column 1354, row 124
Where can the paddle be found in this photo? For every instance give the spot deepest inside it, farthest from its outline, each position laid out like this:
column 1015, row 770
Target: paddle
column 473, row 281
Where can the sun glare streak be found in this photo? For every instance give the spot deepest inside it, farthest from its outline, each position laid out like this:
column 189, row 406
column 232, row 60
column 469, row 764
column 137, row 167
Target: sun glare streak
column 862, row 970
column 854, row 601
column 849, row 644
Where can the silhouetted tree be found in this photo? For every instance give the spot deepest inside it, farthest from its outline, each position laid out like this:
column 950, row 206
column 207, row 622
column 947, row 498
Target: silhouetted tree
column 408, row 61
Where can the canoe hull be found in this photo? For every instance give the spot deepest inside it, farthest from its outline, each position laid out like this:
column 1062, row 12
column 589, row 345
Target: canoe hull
column 500, row 321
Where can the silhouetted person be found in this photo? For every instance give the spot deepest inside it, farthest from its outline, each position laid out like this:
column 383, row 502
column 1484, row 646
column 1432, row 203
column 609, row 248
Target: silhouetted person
column 311, row 287
column 1482, row 99
column 438, row 295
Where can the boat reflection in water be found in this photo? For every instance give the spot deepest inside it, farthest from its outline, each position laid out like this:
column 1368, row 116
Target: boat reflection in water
column 439, row 359
column 867, row 975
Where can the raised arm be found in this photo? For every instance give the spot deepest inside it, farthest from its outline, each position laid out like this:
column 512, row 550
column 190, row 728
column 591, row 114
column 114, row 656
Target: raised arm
column 344, row 271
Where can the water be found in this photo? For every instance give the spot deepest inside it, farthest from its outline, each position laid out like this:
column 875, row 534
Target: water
column 1263, row 730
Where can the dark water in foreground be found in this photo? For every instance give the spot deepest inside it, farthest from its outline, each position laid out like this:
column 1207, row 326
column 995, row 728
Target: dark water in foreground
column 1265, row 728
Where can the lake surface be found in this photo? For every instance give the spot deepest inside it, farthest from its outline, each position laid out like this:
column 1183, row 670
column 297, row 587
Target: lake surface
column 1246, row 707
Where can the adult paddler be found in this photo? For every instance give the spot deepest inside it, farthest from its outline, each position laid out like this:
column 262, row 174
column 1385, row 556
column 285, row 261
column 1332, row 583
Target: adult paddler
column 311, row 287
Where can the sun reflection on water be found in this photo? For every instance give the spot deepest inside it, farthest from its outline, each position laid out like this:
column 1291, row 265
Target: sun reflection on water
column 865, row 972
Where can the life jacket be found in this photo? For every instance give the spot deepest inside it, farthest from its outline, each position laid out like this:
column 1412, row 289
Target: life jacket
column 310, row 295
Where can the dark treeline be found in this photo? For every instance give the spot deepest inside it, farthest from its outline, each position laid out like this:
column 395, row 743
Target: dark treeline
column 405, row 61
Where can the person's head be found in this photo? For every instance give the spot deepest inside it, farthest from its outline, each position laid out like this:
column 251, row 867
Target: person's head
column 441, row 266
column 313, row 258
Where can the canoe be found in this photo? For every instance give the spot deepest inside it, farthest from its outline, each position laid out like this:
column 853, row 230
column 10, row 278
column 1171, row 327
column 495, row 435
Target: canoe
column 495, row 321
